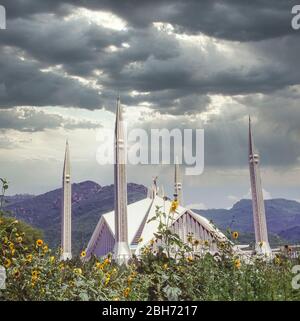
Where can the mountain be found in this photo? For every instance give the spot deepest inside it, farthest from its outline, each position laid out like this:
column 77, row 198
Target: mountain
column 89, row 201
column 283, row 219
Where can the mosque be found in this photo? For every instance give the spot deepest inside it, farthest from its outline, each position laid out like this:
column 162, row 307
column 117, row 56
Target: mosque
column 126, row 230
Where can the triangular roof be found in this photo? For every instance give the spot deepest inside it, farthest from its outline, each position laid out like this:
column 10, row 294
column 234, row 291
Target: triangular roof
column 138, row 229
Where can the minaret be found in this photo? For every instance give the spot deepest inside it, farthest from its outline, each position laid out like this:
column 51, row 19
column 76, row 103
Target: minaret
column 121, row 249
column 177, row 183
column 66, row 215
column 259, row 217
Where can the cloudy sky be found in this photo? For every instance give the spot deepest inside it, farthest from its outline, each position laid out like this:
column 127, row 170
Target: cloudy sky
column 176, row 64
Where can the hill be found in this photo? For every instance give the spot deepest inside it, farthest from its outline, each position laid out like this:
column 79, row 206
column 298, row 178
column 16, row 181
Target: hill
column 89, row 201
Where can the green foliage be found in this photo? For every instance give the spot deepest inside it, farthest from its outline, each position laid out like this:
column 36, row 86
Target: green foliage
column 167, row 269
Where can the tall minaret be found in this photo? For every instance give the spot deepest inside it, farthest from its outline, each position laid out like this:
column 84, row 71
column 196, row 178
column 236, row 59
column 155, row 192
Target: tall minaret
column 260, row 226
column 177, row 183
column 66, row 215
column 121, row 249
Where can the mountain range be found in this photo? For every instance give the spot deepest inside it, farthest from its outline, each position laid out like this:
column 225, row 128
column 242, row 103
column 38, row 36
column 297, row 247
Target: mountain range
column 90, row 200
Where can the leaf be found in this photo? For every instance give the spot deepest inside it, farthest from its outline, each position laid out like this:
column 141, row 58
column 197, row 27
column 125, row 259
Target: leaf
column 172, row 293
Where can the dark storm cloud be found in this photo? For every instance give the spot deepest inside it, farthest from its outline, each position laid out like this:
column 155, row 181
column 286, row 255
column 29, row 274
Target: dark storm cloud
column 33, row 120
column 231, row 19
column 23, row 84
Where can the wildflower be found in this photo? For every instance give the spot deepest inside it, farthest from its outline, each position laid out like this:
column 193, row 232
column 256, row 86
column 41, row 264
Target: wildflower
column 222, row 245
column 235, row 235
column 237, row 263
column 107, row 280
column 77, row 271
column 7, row 263
column 165, row 266
column 99, row 266
column 106, row 261
column 140, row 240
column 196, row 242
column 39, row 242
column 152, row 241
column 52, row 259
column 28, row 258
column 11, row 246
column 5, row 239
column 19, row 239
column 13, row 252
column 190, row 238
column 277, row 260
column 126, row 292
column 16, row 273
column 45, row 248
column 174, row 206
column 129, row 280
column 61, row 266
column 190, row 258
column 83, row 254
column 206, row 243
column 261, row 244
column 34, row 274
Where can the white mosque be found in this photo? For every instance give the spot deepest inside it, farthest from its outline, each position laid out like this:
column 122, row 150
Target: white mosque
column 126, row 230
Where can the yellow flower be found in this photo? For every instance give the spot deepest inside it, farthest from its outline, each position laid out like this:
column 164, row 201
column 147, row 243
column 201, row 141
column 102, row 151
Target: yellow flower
column 106, row 261
column 34, row 276
column 152, row 241
column 129, row 280
column 277, row 260
column 206, row 243
column 165, row 266
column 196, row 242
column 140, row 240
column 99, row 266
column 190, row 258
column 190, row 239
column 126, row 292
column 13, row 252
column 17, row 273
column 5, row 239
column 83, row 254
column 39, row 242
column 7, row 263
column 52, row 259
column 174, row 206
column 61, row 266
column 235, row 235
column 45, row 248
column 11, row 246
column 116, row 298
column 29, row 258
column 107, row 280
column 77, row 271
column 237, row 263
column 19, row 239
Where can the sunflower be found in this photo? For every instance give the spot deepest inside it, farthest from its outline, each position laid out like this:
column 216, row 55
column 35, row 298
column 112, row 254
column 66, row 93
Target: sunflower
column 7, row 263
column 99, row 266
column 235, row 235
column 77, row 271
column 106, row 261
column 83, row 254
column 126, row 292
column 277, row 260
column 237, row 263
column 39, row 242
column 16, row 273
column 35, row 274
column 28, row 258
column 174, row 206
column 196, row 242
column 45, row 248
